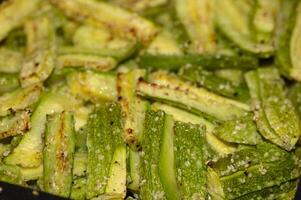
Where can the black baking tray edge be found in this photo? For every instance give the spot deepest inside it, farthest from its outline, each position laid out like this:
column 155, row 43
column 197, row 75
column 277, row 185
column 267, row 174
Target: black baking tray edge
column 10, row 192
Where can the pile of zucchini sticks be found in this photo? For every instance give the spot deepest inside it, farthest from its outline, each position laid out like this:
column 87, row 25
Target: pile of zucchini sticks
column 151, row 99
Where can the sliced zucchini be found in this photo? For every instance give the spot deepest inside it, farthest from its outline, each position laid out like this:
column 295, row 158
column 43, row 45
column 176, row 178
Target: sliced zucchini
column 182, row 115
column 233, row 22
column 103, row 139
column 150, row 185
column 294, row 94
column 80, row 163
column 10, row 61
column 10, row 19
column 165, row 44
column 19, row 99
column 8, row 82
column 58, row 153
column 285, row 191
column 167, row 167
column 15, row 123
column 251, row 172
column 197, row 16
column 242, row 131
column 87, row 61
column 40, row 59
column 116, row 185
column 209, row 80
column 93, row 86
column 210, row 62
column 275, row 116
column 117, row 20
column 189, row 143
column 11, row 174
column 264, row 19
column 288, row 41
column 28, row 153
column 34, row 173
column 219, row 147
column 234, row 75
column 168, row 88
column 101, row 41
column 133, row 108
column 78, row 190
column 134, row 163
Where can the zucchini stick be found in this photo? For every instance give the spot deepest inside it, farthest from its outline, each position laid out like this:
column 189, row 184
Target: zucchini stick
column 40, row 59
column 58, row 153
column 13, row 14
column 10, row 61
column 133, row 107
column 118, row 20
column 210, row 62
column 168, row 88
column 103, row 142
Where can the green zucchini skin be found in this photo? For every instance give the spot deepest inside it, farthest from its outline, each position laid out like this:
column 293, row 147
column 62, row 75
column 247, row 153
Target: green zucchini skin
column 242, row 131
column 210, row 62
column 212, row 82
column 275, row 115
column 58, row 153
column 232, row 19
column 241, row 173
column 168, row 88
column 78, row 190
column 104, row 124
column 150, row 185
column 288, row 37
column 294, row 94
column 189, row 145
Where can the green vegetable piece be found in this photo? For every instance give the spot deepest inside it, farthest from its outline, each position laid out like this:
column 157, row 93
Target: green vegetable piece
column 209, row 80
column 10, row 61
column 133, row 108
column 167, row 170
column 218, row 146
column 242, row 131
column 41, row 56
column 275, row 116
column 210, row 62
column 19, row 99
column 11, row 174
column 104, row 136
column 29, row 151
column 285, row 191
column 264, row 19
column 10, row 19
column 116, row 186
column 15, row 123
column 134, row 164
column 93, row 86
column 197, row 16
column 78, row 190
column 118, row 20
column 233, row 22
column 151, row 186
column 58, row 153
column 8, row 82
column 288, row 40
column 170, row 89
column 95, row 62
column 246, row 172
column 189, row 142
column 294, row 95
